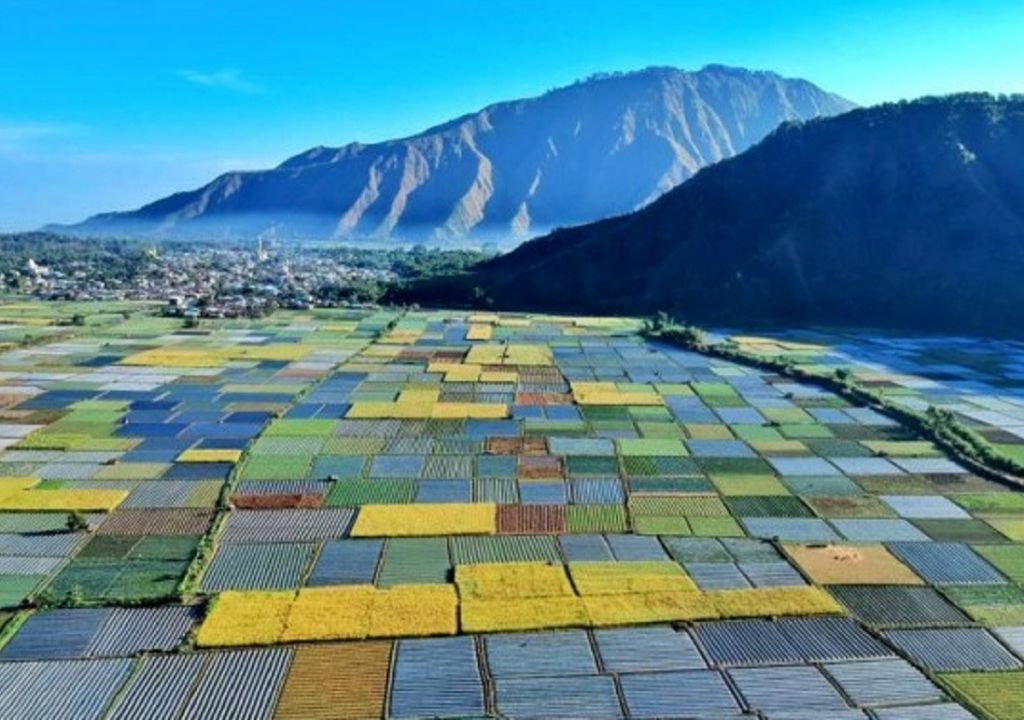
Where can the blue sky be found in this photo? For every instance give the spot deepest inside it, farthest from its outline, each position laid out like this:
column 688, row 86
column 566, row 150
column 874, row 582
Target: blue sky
column 107, row 104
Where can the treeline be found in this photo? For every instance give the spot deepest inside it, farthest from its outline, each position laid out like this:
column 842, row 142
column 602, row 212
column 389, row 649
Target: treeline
column 407, row 263
column 409, row 266
column 125, row 258
column 108, row 258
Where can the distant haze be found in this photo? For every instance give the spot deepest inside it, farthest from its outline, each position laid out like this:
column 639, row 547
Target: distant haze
column 601, row 147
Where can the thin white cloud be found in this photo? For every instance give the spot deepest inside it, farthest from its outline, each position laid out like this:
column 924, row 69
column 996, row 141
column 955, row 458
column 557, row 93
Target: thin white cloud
column 19, row 132
column 227, row 78
column 18, row 136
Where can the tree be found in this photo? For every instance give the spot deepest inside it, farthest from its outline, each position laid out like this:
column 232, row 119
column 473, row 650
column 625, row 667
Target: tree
column 76, row 522
column 687, row 335
column 659, row 323
column 75, row 597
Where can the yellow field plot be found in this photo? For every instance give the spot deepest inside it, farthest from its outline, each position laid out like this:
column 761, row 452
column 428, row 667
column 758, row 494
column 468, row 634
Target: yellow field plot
column 508, row 581
column 423, row 404
column 414, row 610
column 608, row 393
column 851, row 565
column 368, row 366
column 1011, row 528
column 804, row 347
column 617, row 398
column 763, row 344
column 336, row 681
column 282, row 352
column 512, row 322
column 753, row 340
column 462, row 373
column 456, row 372
column 652, row 447
column 708, row 431
column 485, row 355
column 12, row 485
column 747, row 484
column 419, row 395
column 401, row 337
column 536, row 355
column 484, row 318
column 200, row 357
column 382, row 351
column 245, row 618
column 616, row 578
column 528, row 355
column 114, row 405
column 994, row 695
column 479, row 332
column 113, row 444
column 131, row 471
column 390, row 410
column 63, row 500
column 176, row 357
column 78, row 432
column 678, row 389
column 43, row 440
column 759, row 346
column 198, row 455
column 330, row 613
column 602, row 323
column 468, row 411
column 413, row 404
column 901, row 448
column 250, row 389
column 33, row 321
column 523, row 614
column 60, row 440
column 772, row 602
column 444, row 366
column 636, row 608
column 779, row 447
column 425, row 519
column 425, row 410
column 337, row 327
column 89, row 416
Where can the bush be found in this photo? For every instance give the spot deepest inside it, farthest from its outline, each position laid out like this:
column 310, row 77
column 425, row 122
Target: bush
column 76, row 522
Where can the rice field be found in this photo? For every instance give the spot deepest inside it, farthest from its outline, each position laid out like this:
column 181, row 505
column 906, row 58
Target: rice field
column 377, row 514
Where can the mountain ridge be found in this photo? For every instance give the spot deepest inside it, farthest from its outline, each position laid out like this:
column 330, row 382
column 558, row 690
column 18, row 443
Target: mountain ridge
column 904, row 215
column 601, row 146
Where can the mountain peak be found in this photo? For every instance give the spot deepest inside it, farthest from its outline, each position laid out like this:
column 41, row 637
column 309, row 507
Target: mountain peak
column 602, row 146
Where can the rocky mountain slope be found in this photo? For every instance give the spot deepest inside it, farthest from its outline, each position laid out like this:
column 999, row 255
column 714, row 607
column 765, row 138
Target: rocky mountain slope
column 601, row 147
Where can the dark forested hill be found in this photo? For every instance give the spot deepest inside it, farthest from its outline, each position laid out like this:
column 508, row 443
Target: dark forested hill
column 907, row 215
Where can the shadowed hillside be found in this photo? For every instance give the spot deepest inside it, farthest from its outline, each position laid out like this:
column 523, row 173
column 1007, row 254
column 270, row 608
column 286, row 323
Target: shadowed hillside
column 907, row 215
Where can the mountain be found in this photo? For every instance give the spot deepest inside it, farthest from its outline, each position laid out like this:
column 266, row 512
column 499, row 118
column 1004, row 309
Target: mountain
column 905, row 215
column 601, row 147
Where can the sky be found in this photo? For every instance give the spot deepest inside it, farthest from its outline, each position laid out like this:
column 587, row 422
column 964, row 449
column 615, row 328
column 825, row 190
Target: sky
column 106, row 104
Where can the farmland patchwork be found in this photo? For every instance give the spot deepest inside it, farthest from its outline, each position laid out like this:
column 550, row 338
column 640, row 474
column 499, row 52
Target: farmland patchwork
column 368, row 514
